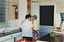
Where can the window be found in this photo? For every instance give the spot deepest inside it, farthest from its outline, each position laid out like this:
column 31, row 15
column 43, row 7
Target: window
column 4, row 13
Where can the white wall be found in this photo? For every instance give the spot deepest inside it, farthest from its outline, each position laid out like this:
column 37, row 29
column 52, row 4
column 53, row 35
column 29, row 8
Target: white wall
column 35, row 11
column 14, row 24
column 59, row 9
column 22, row 9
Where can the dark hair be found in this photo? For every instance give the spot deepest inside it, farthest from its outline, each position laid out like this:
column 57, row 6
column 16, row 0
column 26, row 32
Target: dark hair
column 27, row 16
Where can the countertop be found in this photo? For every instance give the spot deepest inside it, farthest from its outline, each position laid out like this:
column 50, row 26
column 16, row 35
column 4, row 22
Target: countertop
column 59, row 33
column 9, row 33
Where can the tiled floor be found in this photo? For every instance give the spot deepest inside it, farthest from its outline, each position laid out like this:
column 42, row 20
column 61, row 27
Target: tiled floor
column 47, row 38
column 57, row 38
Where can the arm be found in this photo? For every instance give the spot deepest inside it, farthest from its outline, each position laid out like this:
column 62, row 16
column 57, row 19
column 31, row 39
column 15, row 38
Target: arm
column 32, row 26
column 20, row 28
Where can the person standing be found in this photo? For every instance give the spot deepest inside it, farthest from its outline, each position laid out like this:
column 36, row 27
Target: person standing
column 27, row 27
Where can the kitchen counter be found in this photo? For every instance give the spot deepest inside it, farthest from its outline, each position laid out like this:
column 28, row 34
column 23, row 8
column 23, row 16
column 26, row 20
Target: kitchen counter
column 59, row 33
column 9, row 33
column 11, row 36
column 59, row 36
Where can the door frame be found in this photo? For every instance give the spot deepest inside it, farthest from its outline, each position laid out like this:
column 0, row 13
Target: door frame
column 49, row 4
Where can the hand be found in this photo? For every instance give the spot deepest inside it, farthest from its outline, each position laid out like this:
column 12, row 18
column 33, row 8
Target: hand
column 32, row 28
column 20, row 29
column 38, row 32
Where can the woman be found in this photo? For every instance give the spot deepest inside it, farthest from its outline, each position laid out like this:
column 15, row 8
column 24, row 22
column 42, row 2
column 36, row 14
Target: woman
column 36, row 32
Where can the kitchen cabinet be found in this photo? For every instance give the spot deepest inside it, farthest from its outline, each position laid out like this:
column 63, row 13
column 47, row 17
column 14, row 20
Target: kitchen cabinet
column 7, row 38
column 11, row 38
column 2, row 39
column 17, row 36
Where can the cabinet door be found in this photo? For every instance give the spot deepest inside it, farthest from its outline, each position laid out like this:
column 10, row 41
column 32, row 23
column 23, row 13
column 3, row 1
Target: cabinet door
column 18, row 37
column 9, row 40
column 16, row 34
column 2, row 38
column 8, row 37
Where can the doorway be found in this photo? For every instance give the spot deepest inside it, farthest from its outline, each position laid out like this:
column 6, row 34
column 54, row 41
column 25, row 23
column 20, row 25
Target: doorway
column 47, row 15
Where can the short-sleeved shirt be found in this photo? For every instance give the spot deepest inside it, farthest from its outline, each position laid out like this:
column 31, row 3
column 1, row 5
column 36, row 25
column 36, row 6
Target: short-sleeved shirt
column 35, row 25
column 27, row 28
